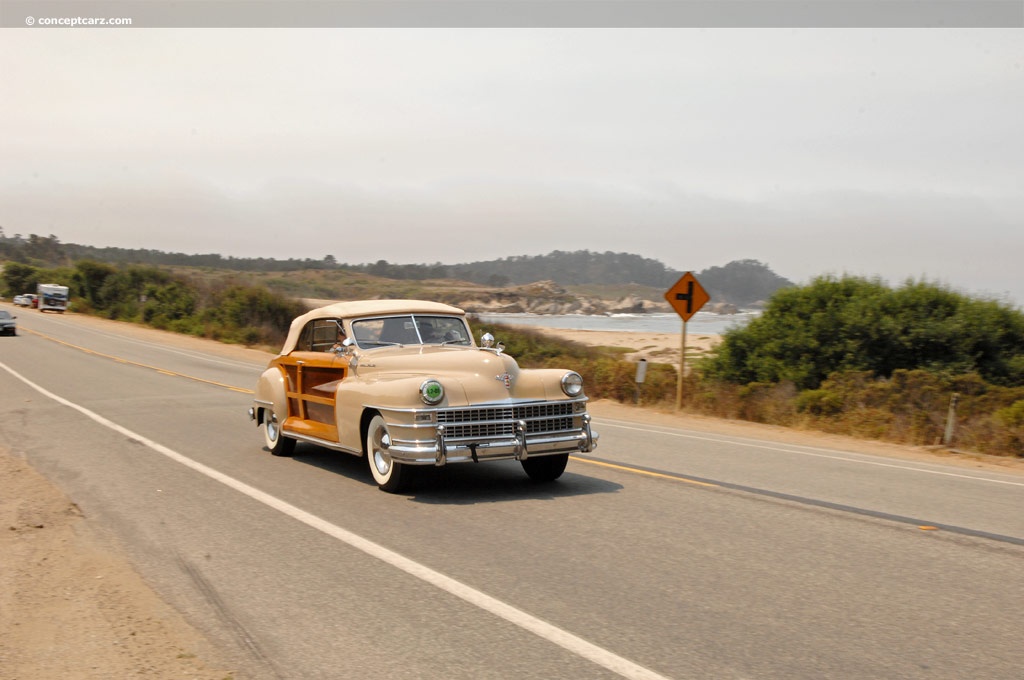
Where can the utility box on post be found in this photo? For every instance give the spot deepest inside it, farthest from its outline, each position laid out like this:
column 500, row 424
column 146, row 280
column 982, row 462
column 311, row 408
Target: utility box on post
column 641, row 375
column 641, row 371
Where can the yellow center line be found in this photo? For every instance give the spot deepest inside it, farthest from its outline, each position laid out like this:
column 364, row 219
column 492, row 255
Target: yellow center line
column 626, row 468
column 121, row 360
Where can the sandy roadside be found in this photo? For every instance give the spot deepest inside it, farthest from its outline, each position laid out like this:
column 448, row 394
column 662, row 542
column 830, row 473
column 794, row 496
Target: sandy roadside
column 71, row 607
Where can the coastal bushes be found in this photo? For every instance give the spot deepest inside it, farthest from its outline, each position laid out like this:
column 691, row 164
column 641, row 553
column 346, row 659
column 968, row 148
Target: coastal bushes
column 853, row 356
column 908, row 407
column 142, row 294
column 844, row 324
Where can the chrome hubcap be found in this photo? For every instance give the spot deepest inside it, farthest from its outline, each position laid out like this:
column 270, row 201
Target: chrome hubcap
column 381, row 458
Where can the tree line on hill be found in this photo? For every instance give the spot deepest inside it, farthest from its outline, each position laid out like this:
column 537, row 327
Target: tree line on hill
column 741, row 282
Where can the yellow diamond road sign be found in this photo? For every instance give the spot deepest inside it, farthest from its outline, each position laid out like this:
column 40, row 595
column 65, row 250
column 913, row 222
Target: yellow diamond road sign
column 687, row 296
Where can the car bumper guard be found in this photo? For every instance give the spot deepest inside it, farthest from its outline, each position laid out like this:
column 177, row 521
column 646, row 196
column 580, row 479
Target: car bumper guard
column 443, row 450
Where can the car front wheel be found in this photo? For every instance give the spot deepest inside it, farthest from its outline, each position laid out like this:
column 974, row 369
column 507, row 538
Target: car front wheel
column 546, row 468
column 389, row 475
column 278, row 444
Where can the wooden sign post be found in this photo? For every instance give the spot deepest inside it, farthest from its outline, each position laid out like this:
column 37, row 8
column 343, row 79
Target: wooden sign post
column 687, row 296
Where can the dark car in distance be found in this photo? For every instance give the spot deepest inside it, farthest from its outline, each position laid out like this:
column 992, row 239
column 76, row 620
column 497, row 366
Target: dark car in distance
column 8, row 325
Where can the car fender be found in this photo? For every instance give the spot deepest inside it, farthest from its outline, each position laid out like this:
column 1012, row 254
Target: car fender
column 356, row 396
column 272, row 392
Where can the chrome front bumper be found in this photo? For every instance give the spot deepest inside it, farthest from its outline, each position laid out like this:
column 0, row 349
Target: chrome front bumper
column 444, row 449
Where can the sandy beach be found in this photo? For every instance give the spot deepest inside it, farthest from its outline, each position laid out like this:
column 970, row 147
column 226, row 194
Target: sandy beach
column 662, row 347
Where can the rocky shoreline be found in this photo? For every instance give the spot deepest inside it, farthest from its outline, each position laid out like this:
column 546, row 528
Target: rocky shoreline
column 540, row 297
column 547, row 297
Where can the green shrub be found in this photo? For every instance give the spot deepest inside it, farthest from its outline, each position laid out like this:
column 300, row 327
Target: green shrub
column 1012, row 415
column 852, row 324
column 1008, row 430
column 821, row 402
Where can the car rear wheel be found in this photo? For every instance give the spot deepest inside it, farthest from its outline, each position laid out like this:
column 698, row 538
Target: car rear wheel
column 389, row 475
column 278, row 444
column 546, row 468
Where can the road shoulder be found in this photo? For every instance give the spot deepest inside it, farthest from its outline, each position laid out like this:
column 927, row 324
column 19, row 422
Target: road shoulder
column 72, row 607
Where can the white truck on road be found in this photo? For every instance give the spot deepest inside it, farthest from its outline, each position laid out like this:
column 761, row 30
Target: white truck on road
column 52, row 297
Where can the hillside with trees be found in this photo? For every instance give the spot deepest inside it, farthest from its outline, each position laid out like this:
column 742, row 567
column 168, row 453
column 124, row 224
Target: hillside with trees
column 740, row 283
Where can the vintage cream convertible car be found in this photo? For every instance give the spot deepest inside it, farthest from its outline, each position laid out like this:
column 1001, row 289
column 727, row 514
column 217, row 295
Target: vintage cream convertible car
column 403, row 383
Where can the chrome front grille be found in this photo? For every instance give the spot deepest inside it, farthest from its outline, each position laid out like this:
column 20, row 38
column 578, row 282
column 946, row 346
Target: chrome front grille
column 499, row 421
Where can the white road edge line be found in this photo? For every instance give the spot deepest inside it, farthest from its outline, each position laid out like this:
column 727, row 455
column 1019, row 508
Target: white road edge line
column 782, row 448
column 543, row 629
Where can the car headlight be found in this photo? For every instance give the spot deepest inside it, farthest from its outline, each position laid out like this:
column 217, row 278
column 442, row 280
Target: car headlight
column 572, row 384
column 431, row 392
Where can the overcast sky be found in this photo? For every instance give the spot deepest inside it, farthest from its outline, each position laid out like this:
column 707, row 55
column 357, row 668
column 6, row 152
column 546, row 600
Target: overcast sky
column 896, row 153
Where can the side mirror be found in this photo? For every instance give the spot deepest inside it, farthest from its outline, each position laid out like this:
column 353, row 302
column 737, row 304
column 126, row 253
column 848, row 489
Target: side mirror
column 347, row 347
column 350, row 351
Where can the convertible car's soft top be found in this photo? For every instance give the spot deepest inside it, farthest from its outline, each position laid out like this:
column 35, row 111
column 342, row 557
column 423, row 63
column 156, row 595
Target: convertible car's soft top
column 362, row 308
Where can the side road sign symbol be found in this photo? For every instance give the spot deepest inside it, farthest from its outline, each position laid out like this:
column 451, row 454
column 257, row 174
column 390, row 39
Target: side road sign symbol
column 687, row 296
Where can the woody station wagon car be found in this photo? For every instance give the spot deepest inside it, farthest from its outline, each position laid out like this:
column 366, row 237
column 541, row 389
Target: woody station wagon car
column 403, row 383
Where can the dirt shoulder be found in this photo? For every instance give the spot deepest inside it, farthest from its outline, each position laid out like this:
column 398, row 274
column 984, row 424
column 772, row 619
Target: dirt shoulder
column 73, row 608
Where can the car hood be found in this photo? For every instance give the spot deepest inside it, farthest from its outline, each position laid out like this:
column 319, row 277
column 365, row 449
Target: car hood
column 481, row 376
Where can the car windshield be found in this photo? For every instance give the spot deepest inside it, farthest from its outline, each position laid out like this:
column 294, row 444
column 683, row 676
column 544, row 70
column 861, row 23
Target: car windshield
column 4, row 315
column 410, row 329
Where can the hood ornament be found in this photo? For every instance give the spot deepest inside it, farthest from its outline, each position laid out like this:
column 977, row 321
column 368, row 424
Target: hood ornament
column 487, row 342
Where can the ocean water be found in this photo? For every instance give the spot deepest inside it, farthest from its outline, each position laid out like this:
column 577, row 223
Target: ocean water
column 702, row 322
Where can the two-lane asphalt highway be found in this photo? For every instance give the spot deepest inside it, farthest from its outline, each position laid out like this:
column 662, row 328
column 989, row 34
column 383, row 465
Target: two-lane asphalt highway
column 975, row 502
column 669, row 553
